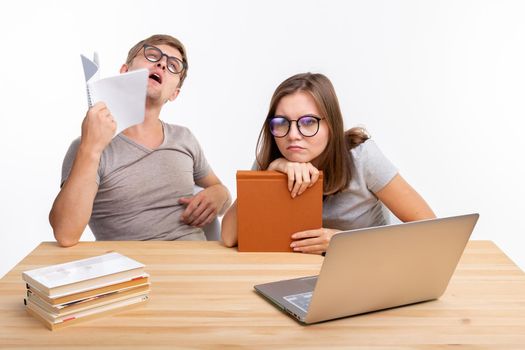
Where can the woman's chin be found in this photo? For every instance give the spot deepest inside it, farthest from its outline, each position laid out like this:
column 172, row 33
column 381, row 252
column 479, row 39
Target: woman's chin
column 297, row 158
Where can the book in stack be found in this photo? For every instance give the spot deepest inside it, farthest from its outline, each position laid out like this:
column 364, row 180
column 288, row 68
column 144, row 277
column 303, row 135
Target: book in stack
column 65, row 294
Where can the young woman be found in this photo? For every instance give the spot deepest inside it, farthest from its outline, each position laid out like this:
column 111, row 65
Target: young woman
column 302, row 134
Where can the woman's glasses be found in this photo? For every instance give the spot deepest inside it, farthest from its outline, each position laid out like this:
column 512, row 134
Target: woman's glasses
column 154, row 54
column 307, row 125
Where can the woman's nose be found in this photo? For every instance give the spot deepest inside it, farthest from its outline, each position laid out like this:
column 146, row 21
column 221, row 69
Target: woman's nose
column 294, row 132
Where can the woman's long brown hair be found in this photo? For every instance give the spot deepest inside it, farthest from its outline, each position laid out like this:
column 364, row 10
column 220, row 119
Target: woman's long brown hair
column 335, row 161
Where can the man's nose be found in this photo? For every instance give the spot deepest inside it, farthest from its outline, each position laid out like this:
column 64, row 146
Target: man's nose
column 161, row 63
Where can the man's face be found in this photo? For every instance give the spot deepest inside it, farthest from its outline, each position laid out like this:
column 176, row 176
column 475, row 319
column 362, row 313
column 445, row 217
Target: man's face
column 162, row 84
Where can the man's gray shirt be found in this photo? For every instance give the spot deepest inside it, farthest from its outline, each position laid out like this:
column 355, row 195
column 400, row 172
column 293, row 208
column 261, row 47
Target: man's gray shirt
column 139, row 188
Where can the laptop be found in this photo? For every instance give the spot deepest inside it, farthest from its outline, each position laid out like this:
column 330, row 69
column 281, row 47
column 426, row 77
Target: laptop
column 376, row 268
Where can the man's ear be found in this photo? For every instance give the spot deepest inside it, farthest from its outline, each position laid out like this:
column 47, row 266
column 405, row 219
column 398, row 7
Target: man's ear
column 174, row 94
column 124, row 68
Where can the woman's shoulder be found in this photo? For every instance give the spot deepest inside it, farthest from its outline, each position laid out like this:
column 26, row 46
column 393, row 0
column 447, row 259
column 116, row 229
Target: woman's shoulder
column 375, row 166
column 366, row 149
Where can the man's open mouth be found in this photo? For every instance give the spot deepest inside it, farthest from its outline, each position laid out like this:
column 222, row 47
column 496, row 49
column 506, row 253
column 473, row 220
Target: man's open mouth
column 156, row 77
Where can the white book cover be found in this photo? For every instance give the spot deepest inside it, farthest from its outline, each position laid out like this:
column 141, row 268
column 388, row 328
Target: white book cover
column 49, row 277
column 123, row 94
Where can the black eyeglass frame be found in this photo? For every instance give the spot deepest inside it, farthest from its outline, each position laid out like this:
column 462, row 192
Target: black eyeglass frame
column 296, row 123
column 168, row 58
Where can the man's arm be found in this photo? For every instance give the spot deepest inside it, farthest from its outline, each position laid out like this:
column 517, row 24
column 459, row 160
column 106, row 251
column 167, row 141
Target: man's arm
column 204, row 207
column 73, row 205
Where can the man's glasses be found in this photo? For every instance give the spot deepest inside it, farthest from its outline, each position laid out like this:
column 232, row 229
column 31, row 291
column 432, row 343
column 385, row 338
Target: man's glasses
column 154, row 54
column 307, row 125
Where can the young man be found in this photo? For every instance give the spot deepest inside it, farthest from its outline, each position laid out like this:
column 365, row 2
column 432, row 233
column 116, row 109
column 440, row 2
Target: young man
column 139, row 184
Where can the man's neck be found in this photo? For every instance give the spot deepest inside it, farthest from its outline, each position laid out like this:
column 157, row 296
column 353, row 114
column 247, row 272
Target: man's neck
column 153, row 109
column 150, row 132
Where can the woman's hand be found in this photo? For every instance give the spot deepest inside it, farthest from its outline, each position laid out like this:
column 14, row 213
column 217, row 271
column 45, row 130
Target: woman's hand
column 313, row 241
column 300, row 175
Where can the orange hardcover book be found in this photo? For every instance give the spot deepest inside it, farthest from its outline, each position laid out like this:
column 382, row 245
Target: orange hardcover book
column 267, row 215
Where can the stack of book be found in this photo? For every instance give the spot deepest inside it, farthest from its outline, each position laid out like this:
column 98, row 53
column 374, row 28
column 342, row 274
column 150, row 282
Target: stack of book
column 64, row 294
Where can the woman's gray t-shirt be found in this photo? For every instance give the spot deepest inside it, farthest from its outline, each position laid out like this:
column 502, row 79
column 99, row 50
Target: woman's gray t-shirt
column 357, row 206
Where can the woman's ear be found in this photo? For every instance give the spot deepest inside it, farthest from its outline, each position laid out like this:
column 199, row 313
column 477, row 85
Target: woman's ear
column 124, row 68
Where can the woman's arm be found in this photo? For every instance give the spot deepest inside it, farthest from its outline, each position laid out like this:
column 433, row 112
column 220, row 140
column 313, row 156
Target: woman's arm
column 229, row 226
column 403, row 201
column 300, row 177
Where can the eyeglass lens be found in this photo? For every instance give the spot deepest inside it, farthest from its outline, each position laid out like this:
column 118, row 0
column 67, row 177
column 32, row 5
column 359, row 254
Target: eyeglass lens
column 154, row 54
column 307, row 125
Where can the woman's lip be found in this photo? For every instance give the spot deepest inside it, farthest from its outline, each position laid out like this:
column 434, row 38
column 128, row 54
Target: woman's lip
column 294, row 148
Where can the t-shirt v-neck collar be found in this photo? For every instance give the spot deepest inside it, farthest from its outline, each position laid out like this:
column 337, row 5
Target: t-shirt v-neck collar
column 142, row 147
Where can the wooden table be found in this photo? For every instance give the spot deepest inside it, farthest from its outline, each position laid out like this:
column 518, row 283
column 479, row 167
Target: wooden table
column 202, row 297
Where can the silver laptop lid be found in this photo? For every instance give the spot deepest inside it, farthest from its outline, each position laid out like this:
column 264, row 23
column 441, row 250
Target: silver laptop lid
column 387, row 266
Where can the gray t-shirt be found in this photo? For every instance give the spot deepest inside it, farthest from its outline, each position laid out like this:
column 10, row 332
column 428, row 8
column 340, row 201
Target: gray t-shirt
column 139, row 188
column 357, row 206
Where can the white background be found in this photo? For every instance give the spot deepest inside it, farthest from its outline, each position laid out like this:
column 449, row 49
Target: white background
column 439, row 84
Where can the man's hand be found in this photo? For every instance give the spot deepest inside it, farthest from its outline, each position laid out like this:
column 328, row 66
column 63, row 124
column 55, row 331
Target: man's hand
column 203, row 208
column 98, row 128
column 313, row 241
column 300, row 175
column 73, row 205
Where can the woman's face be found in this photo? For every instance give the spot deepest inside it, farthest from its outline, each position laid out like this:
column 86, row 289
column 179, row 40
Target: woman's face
column 296, row 147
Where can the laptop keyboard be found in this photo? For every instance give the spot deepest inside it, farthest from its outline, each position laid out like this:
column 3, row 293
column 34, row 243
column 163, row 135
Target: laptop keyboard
column 302, row 300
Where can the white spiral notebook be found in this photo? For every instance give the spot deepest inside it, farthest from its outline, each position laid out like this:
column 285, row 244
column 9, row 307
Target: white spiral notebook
column 123, row 94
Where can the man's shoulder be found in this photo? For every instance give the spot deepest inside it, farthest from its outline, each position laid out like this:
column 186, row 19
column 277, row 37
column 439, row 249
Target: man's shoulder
column 177, row 129
column 73, row 146
column 179, row 134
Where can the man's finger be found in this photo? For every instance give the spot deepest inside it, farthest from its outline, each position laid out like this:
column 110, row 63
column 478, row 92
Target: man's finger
column 201, row 218
column 206, row 217
column 185, row 200
column 193, row 203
